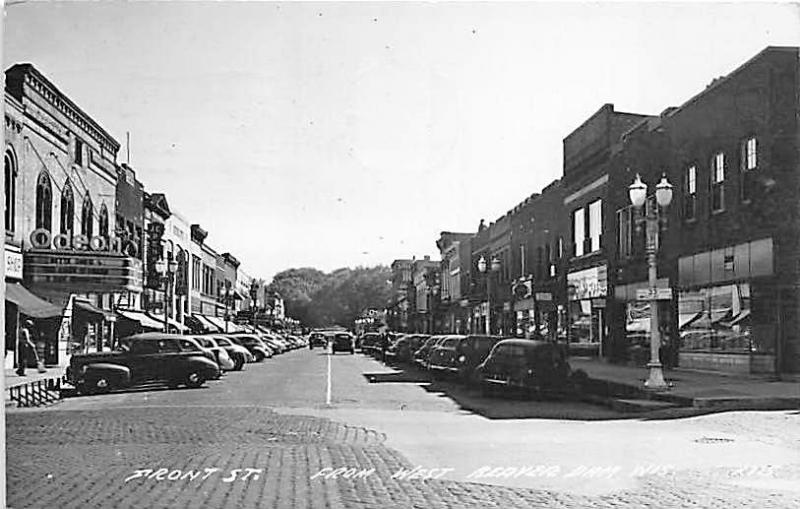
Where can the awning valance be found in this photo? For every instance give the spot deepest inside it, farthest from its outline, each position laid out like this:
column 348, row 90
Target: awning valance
column 91, row 309
column 220, row 323
column 172, row 323
column 208, row 325
column 29, row 304
column 142, row 318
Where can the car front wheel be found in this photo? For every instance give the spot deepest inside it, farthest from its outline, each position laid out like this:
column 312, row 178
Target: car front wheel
column 194, row 379
column 238, row 363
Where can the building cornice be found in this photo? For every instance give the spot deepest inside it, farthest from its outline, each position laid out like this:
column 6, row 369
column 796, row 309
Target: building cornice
column 27, row 74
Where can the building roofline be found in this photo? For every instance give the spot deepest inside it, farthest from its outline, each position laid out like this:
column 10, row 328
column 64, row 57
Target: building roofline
column 28, row 68
column 716, row 83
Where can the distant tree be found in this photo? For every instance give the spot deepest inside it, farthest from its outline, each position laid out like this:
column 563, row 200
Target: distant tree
column 319, row 299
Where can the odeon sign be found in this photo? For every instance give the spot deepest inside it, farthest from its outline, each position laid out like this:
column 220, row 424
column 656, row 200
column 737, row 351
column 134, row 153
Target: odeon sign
column 43, row 239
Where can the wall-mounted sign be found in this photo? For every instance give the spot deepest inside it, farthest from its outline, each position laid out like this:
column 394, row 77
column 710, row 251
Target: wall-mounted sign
column 654, row 294
column 82, row 271
column 588, row 283
column 13, row 263
column 43, row 239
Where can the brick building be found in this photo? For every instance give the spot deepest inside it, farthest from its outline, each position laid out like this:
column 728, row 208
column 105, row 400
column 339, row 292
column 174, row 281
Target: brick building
column 453, row 310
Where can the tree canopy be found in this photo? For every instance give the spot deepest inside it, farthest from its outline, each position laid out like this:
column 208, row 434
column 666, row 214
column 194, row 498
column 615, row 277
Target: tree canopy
column 319, row 300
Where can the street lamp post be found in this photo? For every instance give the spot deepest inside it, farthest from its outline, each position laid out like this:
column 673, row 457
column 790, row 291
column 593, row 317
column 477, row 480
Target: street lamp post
column 493, row 267
column 653, row 214
column 227, row 293
column 167, row 270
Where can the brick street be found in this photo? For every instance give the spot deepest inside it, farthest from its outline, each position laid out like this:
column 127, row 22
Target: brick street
column 104, row 451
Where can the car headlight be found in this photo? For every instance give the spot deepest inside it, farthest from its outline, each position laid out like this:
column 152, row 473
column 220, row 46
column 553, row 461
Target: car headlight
column 462, row 359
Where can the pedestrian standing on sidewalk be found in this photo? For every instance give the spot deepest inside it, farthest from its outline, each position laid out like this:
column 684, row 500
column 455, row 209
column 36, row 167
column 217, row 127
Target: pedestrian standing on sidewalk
column 25, row 349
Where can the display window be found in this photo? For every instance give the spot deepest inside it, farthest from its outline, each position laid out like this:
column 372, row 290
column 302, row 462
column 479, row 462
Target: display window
column 717, row 319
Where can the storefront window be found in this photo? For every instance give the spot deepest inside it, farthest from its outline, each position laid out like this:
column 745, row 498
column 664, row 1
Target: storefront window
column 717, row 319
column 583, row 329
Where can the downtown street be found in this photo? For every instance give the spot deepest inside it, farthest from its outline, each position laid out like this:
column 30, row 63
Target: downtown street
column 267, row 437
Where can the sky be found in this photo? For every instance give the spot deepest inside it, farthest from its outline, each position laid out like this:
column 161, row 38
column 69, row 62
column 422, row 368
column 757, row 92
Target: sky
column 348, row 134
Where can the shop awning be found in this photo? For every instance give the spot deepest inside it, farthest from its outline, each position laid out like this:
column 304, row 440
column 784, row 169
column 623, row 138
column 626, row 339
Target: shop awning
column 90, row 308
column 29, row 304
column 207, row 324
column 220, row 323
column 142, row 318
column 172, row 323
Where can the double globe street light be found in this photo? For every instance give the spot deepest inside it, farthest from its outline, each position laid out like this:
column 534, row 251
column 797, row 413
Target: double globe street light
column 494, row 266
column 653, row 215
column 167, row 270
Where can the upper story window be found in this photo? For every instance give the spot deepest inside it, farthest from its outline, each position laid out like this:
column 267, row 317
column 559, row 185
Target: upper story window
column 78, row 152
column 625, row 232
column 578, row 231
column 11, row 189
column 690, row 193
column 749, row 162
column 103, row 222
column 67, row 210
column 718, row 182
column 595, row 224
column 44, row 202
column 87, row 219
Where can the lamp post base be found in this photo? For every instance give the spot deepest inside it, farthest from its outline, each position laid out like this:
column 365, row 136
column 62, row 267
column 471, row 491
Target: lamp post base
column 656, row 380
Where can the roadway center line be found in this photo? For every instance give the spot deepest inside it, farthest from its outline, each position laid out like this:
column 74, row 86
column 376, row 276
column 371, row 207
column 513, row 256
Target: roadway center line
column 328, row 393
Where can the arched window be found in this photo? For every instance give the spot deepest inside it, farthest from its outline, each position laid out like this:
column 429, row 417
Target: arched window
column 11, row 189
column 67, row 210
column 87, row 221
column 103, row 224
column 44, row 202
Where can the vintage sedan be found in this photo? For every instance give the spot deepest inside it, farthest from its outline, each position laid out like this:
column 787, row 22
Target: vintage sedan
column 239, row 354
column 443, row 358
column 223, row 359
column 317, row 339
column 533, row 367
column 343, row 342
column 253, row 344
column 422, row 354
column 152, row 356
column 470, row 352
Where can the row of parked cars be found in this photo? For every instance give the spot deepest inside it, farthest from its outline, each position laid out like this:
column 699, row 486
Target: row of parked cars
column 175, row 359
column 489, row 362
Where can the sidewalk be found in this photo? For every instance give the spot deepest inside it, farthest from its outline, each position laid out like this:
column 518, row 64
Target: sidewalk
column 695, row 388
column 32, row 375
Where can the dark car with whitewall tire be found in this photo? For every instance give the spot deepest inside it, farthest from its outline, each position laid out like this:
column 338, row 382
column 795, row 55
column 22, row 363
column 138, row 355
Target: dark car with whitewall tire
column 343, row 342
column 534, row 368
column 141, row 358
column 317, row 339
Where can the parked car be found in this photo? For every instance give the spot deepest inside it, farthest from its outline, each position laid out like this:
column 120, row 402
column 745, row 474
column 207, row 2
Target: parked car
column 317, row 339
column 405, row 347
column 535, row 367
column 238, row 354
column 443, row 358
column 470, row 352
column 144, row 357
column 253, row 344
column 370, row 342
column 422, row 354
column 343, row 342
column 223, row 359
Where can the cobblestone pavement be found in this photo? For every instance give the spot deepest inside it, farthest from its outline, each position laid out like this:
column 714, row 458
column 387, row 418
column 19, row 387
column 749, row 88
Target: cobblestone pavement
column 172, row 450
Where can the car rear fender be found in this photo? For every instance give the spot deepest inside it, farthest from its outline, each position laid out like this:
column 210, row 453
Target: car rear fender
column 116, row 372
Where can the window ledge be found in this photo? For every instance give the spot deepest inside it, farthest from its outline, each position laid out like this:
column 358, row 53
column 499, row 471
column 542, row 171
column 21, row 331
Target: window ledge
column 692, row 220
column 717, row 212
